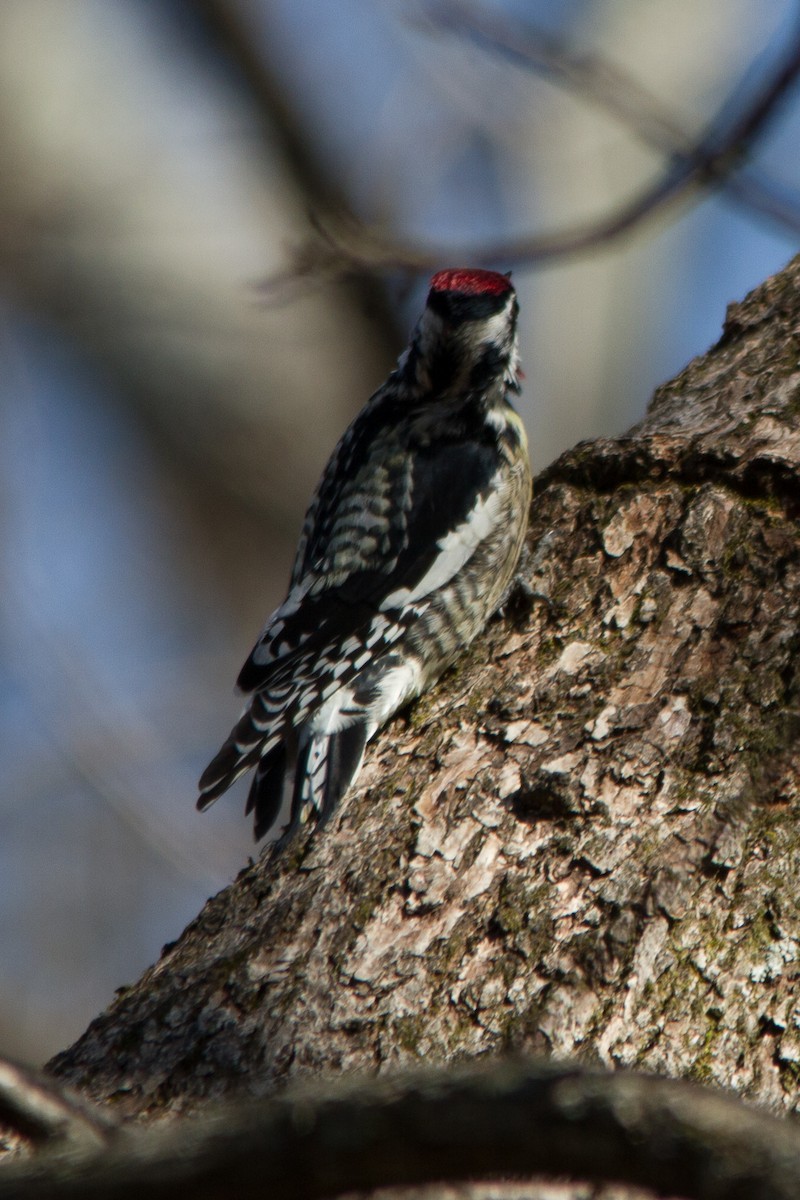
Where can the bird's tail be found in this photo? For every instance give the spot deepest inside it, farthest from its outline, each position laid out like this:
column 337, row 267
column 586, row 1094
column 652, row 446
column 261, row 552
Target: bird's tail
column 305, row 783
column 309, row 785
column 245, row 745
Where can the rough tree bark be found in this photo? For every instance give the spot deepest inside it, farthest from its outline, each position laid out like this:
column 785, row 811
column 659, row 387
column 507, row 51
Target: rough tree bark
column 584, row 842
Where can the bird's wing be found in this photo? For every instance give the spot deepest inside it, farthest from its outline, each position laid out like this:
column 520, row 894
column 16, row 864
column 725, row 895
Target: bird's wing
column 400, row 528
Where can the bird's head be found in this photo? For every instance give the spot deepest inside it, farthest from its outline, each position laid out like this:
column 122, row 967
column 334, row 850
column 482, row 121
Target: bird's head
column 466, row 338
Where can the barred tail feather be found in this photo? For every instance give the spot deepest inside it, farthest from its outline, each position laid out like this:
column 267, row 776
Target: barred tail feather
column 269, row 789
column 241, row 751
column 223, row 771
column 309, row 785
column 336, row 762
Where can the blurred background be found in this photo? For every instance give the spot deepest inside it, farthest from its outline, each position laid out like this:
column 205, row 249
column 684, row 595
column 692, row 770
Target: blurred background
column 180, row 351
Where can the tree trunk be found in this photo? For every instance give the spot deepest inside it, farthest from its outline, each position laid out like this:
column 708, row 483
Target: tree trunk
column 583, row 841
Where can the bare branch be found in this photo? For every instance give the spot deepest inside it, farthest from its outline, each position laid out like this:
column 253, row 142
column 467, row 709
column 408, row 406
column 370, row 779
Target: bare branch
column 236, row 42
column 707, row 162
column 605, row 84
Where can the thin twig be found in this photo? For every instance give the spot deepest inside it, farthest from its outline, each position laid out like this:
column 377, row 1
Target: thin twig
column 587, row 75
column 46, row 1112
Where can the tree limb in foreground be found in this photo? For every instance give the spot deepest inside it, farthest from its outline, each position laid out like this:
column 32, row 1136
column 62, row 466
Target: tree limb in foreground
column 46, row 1112
column 483, row 1122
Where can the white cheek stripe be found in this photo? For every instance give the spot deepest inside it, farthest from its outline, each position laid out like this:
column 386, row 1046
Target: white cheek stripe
column 455, row 549
column 495, row 329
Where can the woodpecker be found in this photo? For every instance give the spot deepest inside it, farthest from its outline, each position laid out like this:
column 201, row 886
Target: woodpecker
column 409, row 545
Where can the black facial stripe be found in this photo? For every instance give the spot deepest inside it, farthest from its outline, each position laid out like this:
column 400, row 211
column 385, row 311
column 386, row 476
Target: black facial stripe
column 491, row 363
column 458, row 306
